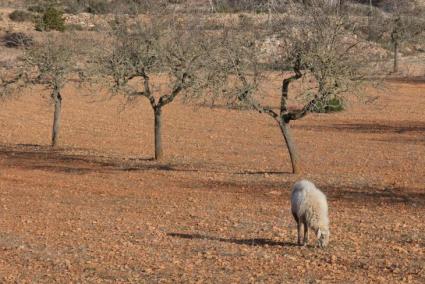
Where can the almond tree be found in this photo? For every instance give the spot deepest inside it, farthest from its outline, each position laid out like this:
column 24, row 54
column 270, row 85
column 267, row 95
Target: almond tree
column 50, row 64
column 406, row 24
column 158, row 46
column 403, row 22
column 316, row 45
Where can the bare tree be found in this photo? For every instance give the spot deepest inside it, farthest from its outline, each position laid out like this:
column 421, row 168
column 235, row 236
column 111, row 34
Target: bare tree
column 212, row 6
column 160, row 46
column 369, row 19
column 11, row 70
column 402, row 23
column 316, row 43
column 50, row 64
column 406, row 24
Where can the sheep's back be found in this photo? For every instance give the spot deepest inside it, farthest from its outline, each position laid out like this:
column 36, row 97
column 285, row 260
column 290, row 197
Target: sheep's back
column 309, row 203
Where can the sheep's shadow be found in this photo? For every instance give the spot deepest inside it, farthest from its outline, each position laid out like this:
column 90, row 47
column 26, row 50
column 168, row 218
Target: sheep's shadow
column 249, row 242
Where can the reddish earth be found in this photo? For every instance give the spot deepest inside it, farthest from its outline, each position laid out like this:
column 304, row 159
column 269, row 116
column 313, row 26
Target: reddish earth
column 216, row 209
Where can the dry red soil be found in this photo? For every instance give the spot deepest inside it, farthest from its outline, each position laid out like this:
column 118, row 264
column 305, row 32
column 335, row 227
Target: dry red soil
column 216, row 209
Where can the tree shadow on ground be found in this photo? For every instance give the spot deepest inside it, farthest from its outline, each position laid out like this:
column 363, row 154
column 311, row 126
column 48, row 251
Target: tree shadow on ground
column 355, row 194
column 262, row 173
column 405, row 127
column 75, row 160
column 403, row 140
column 371, row 195
column 84, row 161
column 249, row 242
column 408, row 80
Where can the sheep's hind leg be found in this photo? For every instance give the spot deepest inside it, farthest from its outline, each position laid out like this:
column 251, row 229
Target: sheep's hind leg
column 305, row 234
column 299, row 226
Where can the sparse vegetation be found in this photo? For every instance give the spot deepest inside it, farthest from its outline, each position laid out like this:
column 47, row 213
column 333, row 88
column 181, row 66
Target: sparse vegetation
column 17, row 39
column 74, row 27
column 21, row 16
column 209, row 201
column 37, row 8
column 98, row 7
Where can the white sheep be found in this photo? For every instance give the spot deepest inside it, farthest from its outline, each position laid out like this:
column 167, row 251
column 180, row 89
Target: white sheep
column 310, row 208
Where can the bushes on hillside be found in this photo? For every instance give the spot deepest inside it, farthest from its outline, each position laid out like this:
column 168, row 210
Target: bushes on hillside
column 21, row 16
column 37, row 8
column 52, row 19
column 17, row 39
column 104, row 7
column 98, row 7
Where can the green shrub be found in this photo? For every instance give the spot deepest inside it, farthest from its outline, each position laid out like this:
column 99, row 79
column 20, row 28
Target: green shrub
column 52, row 19
column 21, row 16
column 334, row 104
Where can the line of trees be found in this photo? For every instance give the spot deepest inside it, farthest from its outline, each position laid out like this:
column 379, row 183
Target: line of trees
column 315, row 46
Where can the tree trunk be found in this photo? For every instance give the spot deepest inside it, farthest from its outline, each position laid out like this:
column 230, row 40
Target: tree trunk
column 395, row 68
column 212, row 6
column 286, row 132
column 269, row 19
column 369, row 21
column 56, row 117
column 158, row 142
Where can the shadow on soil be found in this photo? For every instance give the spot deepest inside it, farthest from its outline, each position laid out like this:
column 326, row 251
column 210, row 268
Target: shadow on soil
column 38, row 157
column 249, row 242
column 84, row 161
column 370, row 195
column 262, row 187
column 369, row 127
column 417, row 140
column 407, row 80
column 261, row 173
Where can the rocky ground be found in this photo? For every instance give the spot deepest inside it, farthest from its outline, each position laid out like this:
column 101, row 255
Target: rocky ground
column 98, row 209
column 216, row 209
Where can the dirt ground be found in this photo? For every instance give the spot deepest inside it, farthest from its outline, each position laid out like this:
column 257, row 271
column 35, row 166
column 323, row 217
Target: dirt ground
column 216, row 209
